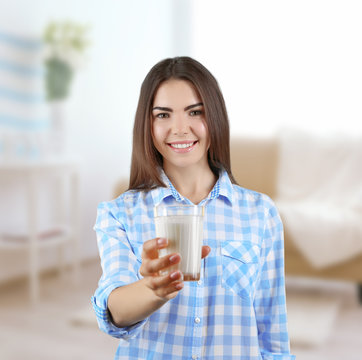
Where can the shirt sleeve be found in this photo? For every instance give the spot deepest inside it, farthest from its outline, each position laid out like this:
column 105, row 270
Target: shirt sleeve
column 119, row 267
column 270, row 300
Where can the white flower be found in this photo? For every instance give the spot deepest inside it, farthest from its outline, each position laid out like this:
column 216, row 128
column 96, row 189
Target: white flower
column 66, row 41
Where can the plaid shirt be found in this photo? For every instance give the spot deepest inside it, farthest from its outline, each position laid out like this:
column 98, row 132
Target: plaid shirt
column 236, row 311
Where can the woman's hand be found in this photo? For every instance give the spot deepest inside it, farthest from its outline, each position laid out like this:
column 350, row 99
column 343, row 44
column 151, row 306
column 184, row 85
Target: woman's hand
column 134, row 302
column 165, row 287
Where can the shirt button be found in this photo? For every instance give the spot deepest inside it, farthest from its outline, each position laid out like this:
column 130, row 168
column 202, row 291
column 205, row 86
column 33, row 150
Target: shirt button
column 197, row 320
column 199, row 282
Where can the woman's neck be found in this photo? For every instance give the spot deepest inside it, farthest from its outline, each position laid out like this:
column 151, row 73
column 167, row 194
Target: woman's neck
column 193, row 183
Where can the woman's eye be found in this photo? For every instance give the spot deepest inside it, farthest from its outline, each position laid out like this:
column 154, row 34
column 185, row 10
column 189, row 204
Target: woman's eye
column 196, row 112
column 162, row 115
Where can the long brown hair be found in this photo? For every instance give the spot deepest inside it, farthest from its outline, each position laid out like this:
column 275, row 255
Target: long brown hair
column 146, row 160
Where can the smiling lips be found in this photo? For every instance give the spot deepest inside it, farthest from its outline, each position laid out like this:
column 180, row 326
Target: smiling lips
column 182, row 146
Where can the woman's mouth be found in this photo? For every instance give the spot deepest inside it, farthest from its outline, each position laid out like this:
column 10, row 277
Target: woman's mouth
column 182, row 146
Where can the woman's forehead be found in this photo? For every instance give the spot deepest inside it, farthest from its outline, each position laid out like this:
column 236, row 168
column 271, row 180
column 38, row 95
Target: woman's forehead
column 177, row 92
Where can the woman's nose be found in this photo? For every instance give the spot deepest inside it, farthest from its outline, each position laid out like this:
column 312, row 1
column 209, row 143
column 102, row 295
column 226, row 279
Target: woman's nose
column 180, row 125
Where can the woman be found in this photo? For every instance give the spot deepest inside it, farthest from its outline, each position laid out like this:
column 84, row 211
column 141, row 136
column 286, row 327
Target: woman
column 181, row 155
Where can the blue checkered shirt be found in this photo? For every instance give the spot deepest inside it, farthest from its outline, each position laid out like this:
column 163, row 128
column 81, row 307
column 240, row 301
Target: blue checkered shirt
column 236, row 311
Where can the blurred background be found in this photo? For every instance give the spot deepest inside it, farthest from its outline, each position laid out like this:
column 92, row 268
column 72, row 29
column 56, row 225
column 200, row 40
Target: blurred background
column 70, row 75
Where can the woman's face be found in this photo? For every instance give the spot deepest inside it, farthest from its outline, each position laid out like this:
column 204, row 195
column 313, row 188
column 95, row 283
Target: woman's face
column 179, row 128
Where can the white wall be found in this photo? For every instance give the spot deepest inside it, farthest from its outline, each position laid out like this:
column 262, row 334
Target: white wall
column 128, row 37
column 282, row 62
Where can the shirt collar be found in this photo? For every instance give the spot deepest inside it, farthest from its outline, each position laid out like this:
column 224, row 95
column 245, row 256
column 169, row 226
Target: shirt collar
column 160, row 193
column 223, row 187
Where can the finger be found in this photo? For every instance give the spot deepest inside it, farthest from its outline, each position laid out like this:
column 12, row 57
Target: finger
column 159, row 282
column 153, row 266
column 170, row 291
column 150, row 247
column 205, row 251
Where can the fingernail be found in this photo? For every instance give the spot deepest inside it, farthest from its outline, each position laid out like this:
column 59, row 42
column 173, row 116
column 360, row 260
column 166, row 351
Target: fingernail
column 174, row 258
column 179, row 286
column 161, row 241
column 175, row 275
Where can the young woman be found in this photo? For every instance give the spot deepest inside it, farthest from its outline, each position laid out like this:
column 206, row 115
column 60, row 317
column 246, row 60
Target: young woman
column 181, row 155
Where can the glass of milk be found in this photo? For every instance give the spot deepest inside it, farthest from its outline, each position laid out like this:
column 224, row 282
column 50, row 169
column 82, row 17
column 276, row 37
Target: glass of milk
column 182, row 226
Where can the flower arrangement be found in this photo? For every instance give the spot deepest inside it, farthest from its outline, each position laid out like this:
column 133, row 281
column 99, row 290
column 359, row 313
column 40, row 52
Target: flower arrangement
column 65, row 45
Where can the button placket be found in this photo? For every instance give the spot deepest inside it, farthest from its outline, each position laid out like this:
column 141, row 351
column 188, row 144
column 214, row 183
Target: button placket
column 197, row 320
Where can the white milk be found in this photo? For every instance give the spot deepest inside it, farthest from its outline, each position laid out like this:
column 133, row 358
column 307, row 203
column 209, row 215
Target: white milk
column 184, row 234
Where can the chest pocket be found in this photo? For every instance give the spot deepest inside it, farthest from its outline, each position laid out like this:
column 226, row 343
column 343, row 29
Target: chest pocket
column 240, row 262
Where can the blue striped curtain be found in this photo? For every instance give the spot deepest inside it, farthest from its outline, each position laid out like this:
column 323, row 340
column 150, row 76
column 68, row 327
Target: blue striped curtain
column 24, row 112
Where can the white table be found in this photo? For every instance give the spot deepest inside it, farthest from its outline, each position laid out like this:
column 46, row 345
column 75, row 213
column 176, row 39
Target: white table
column 33, row 173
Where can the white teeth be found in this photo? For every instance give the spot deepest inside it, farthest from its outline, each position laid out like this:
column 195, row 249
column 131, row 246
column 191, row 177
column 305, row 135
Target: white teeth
column 181, row 146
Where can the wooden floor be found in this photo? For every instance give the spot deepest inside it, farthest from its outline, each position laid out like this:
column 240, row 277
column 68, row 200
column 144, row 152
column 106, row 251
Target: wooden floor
column 45, row 331
column 345, row 338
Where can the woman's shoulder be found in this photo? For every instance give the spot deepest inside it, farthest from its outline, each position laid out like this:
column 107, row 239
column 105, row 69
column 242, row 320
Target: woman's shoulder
column 126, row 199
column 254, row 197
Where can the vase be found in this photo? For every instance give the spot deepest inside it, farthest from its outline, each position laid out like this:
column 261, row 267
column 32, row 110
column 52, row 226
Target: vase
column 57, row 127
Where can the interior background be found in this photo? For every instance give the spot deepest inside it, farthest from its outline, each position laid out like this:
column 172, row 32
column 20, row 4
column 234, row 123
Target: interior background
column 280, row 63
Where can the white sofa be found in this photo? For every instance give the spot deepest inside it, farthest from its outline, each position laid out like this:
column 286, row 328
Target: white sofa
column 316, row 182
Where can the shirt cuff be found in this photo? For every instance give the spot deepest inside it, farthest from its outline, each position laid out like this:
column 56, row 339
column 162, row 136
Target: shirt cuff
column 105, row 323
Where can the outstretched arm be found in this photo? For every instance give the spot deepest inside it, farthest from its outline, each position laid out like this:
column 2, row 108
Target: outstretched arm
column 132, row 303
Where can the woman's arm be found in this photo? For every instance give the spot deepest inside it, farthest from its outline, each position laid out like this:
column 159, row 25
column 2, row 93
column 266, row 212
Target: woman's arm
column 132, row 303
column 269, row 301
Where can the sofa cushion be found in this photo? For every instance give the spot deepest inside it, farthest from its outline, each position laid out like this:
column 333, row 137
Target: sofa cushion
column 324, row 233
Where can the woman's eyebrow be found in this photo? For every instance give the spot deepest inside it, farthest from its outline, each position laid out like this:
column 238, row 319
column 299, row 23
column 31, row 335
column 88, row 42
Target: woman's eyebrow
column 162, row 108
column 192, row 106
